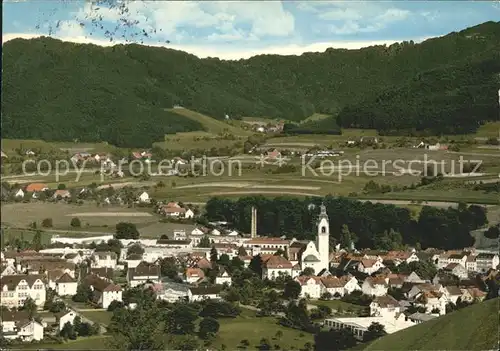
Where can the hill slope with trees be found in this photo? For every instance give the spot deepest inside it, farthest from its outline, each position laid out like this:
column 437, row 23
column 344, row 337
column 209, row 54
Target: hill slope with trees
column 55, row 90
column 472, row 328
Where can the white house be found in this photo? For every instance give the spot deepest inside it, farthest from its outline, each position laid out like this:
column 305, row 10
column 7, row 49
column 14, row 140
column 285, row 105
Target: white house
column 385, row 305
column 104, row 292
column 453, row 293
column 19, row 193
column 171, row 292
column 143, row 273
column 18, row 325
column 104, row 260
column 375, row 286
column 17, row 288
column 432, row 300
column 204, row 293
column 66, row 285
column 486, row 261
column 64, row 317
column 274, row 266
column 370, row 266
column 189, row 213
column 223, row 278
column 144, row 197
column 193, row 275
column 457, row 269
column 311, row 286
column 340, row 286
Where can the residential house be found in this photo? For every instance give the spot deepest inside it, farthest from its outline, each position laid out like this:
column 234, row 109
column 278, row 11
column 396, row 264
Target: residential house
column 104, row 292
column 63, row 317
column 340, row 286
column 36, row 187
column 451, row 257
column 419, row 288
column 144, row 272
column 433, row 301
column 66, row 285
column 19, row 193
column 413, row 277
column 104, row 260
column 144, row 197
column 173, row 212
column 201, row 293
column 471, row 264
column 193, row 275
column 453, row 293
column 370, row 266
column 273, row 154
column 7, row 269
column 472, row 294
column 457, row 269
column 223, row 277
column 486, row 261
column 398, row 257
column 61, row 194
column 267, row 245
column 311, row 286
column 384, row 305
column 274, row 266
column 104, row 273
column 171, row 291
column 18, row 325
column 375, row 286
column 17, row 288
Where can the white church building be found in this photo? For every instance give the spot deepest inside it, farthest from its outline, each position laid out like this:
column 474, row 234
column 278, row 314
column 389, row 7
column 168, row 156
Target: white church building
column 316, row 255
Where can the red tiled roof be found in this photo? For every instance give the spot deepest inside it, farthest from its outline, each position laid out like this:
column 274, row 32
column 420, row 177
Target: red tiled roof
column 33, row 187
column 274, row 262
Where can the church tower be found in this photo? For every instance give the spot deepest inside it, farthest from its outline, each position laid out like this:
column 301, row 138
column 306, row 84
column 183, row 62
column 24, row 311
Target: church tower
column 323, row 238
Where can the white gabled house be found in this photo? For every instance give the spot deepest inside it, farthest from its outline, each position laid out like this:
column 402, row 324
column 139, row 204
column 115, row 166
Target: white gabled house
column 311, row 286
column 223, row 278
column 370, row 266
column 18, row 325
column 375, row 286
column 144, row 197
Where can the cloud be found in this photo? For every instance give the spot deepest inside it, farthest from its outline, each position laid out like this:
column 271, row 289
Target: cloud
column 225, row 52
column 71, row 29
column 346, row 17
column 214, row 20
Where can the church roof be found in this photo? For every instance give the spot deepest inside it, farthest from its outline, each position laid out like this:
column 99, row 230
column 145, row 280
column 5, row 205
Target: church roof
column 311, row 258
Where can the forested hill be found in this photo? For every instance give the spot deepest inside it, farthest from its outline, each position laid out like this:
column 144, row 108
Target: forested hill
column 61, row 91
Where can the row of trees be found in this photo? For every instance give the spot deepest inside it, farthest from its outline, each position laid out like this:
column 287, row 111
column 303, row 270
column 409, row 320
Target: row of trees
column 370, row 225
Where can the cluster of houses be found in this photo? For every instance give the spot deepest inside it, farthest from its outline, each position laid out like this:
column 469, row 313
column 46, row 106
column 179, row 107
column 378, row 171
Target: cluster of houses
column 28, row 274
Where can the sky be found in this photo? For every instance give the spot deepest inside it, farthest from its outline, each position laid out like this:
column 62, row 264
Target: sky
column 240, row 29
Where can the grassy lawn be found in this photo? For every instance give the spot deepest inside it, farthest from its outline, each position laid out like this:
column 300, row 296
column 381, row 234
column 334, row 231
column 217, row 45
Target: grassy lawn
column 101, row 317
column 472, row 328
column 213, row 125
column 341, row 306
column 253, row 329
column 97, row 342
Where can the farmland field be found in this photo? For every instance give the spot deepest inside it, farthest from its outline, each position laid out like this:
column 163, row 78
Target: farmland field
column 94, row 220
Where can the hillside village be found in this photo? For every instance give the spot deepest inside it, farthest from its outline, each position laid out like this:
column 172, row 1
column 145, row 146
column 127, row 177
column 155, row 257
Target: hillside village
column 394, row 289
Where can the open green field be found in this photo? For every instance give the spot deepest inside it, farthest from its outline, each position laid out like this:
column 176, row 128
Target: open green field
column 10, row 145
column 95, row 220
column 490, row 129
column 248, row 326
column 97, row 342
column 212, row 125
column 472, row 328
column 101, row 317
column 340, row 307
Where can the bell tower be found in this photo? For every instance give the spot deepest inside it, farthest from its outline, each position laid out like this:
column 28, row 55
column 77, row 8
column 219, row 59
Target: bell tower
column 323, row 238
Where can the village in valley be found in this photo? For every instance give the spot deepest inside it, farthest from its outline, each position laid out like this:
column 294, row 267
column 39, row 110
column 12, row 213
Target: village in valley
column 191, row 195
